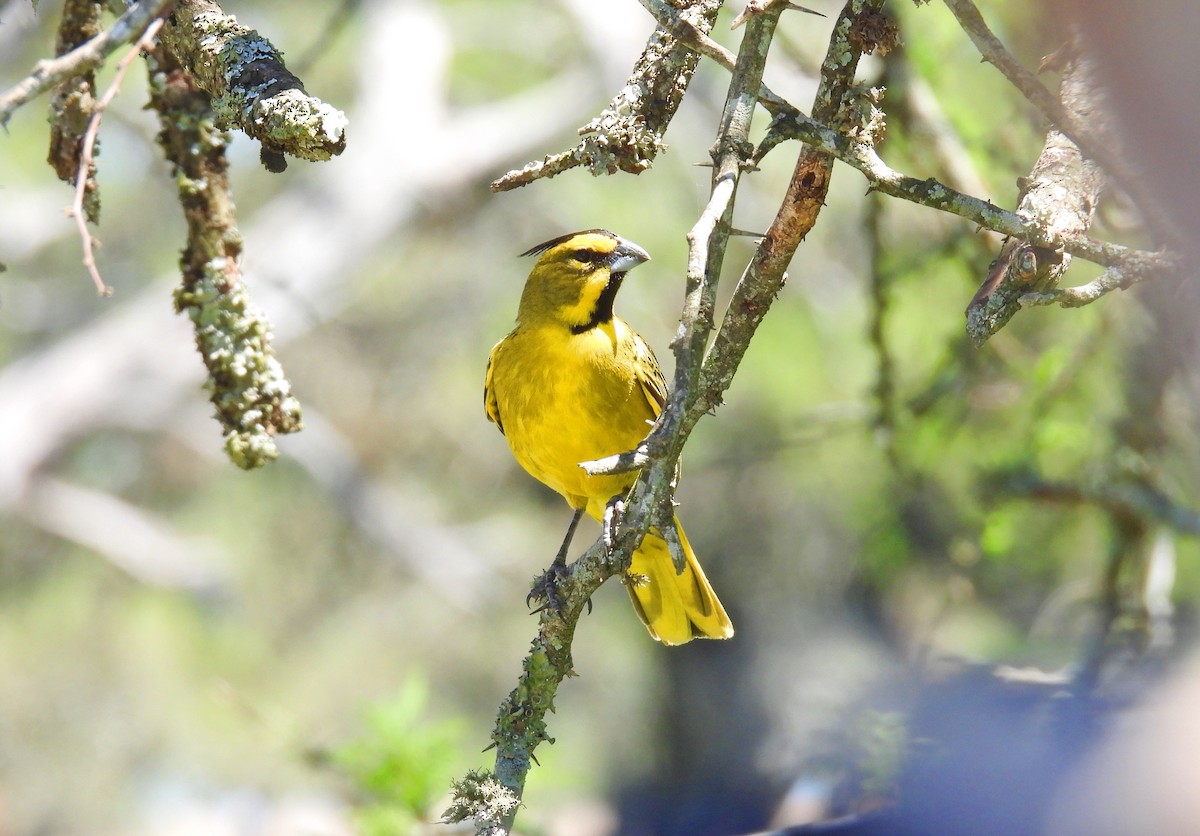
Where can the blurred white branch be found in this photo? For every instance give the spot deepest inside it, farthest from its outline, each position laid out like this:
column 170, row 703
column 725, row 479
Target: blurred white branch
column 131, row 538
column 403, row 519
column 133, row 366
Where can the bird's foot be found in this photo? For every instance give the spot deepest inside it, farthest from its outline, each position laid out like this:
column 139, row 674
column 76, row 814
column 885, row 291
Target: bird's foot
column 546, row 587
column 614, row 514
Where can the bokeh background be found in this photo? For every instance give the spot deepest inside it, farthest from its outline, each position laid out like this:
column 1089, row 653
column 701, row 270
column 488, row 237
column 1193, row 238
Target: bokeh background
column 321, row 646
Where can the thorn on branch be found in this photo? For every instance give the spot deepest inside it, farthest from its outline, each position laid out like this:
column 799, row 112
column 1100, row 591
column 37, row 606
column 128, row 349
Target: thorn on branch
column 757, row 7
column 625, row 462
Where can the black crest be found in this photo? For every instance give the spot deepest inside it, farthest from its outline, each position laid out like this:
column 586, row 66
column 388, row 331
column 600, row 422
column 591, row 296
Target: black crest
column 554, row 242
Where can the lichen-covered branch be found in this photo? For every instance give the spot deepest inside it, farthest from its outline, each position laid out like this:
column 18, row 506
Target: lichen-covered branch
column 1059, row 198
column 691, row 36
column 251, row 89
column 88, row 56
column 859, row 152
column 521, row 721
column 252, row 397
column 627, row 135
column 72, row 104
column 1084, row 127
column 1105, row 283
column 706, row 252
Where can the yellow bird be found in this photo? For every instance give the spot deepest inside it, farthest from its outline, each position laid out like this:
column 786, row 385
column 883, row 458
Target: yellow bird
column 573, row 383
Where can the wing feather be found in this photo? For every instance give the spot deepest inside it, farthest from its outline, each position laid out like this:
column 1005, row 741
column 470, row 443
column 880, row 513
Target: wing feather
column 649, row 375
column 490, row 406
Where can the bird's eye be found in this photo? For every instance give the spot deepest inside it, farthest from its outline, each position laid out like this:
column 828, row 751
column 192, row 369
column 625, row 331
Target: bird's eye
column 587, row 256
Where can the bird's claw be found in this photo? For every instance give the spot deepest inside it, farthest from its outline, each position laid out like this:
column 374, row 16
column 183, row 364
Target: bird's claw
column 546, row 588
column 614, row 513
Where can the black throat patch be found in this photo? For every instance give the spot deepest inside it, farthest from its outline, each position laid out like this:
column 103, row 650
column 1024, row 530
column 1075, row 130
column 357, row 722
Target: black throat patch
column 603, row 312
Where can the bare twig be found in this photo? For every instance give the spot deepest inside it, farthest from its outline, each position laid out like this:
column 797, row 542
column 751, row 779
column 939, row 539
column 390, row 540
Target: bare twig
column 52, row 72
column 88, row 148
column 74, row 100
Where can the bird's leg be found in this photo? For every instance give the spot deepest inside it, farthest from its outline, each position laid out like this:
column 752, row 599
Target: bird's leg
column 546, row 587
column 560, row 559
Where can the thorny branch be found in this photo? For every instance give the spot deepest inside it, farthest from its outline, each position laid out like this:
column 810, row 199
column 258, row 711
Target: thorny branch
column 860, row 28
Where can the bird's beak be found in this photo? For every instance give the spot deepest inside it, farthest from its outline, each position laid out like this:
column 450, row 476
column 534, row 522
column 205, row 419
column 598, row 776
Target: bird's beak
column 626, row 256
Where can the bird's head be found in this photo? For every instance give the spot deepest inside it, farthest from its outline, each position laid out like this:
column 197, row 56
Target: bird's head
column 576, row 278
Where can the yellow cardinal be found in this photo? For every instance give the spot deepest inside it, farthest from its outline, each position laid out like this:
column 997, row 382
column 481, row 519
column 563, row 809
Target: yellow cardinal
column 573, row 383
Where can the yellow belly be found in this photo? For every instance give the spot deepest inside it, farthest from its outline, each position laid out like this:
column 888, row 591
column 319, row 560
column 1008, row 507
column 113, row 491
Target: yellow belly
column 570, row 398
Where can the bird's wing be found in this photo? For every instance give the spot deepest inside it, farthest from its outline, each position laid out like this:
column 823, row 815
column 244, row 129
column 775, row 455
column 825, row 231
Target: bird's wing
column 490, row 406
column 649, row 375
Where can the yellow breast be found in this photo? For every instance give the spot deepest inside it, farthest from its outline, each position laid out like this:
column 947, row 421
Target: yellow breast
column 567, row 398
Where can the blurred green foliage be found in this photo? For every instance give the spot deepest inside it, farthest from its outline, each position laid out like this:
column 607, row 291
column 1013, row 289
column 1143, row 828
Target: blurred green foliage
column 176, row 631
column 403, row 761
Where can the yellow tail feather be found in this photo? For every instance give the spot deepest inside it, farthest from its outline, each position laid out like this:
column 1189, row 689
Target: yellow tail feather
column 675, row 608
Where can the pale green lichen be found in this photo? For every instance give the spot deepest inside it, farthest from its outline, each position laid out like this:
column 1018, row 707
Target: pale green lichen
column 250, row 86
column 481, row 798
column 253, row 398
